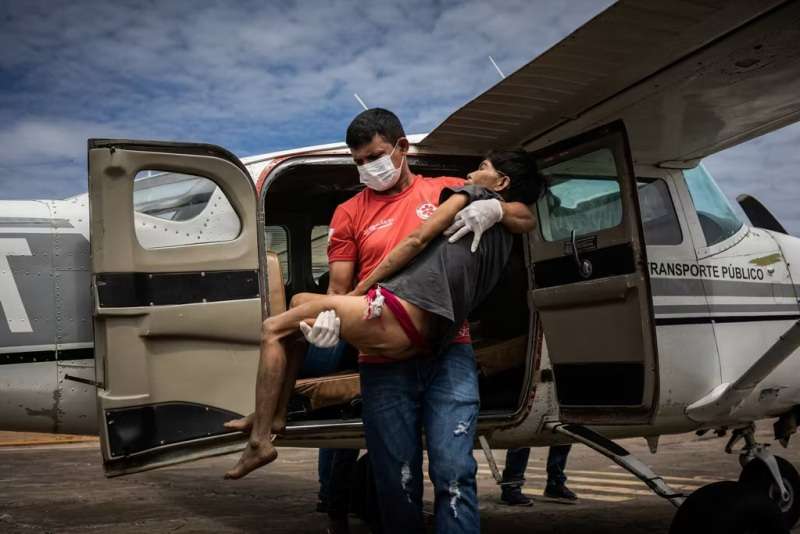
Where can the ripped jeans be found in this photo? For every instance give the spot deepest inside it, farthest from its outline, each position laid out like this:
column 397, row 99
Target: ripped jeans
column 400, row 399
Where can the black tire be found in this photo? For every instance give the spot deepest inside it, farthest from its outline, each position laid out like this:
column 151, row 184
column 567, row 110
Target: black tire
column 757, row 475
column 728, row 508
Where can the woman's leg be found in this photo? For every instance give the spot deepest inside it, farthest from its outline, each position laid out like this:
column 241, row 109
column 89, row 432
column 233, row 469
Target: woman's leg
column 294, row 363
column 296, row 350
column 376, row 336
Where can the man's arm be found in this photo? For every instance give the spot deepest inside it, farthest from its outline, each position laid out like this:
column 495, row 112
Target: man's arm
column 342, row 275
column 415, row 243
column 517, row 217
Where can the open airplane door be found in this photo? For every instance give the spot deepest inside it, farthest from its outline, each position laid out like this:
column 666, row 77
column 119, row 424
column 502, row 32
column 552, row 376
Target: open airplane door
column 591, row 285
column 177, row 308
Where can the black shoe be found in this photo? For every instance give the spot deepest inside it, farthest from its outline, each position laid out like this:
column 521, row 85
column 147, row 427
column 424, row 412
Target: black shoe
column 559, row 491
column 338, row 524
column 515, row 497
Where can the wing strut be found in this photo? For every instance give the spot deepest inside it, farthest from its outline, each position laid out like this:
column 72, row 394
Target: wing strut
column 726, row 398
column 619, row 456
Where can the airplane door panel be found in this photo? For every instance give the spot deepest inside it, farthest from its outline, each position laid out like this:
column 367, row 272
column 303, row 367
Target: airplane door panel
column 591, row 285
column 177, row 300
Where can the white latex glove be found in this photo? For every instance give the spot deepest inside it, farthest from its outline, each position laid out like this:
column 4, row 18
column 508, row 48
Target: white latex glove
column 478, row 217
column 325, row 332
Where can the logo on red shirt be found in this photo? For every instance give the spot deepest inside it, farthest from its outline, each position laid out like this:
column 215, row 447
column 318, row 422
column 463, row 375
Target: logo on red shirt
column 425, row 210
column 385, row 223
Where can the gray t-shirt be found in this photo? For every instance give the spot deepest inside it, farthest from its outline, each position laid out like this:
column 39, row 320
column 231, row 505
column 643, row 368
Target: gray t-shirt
column 447, row 279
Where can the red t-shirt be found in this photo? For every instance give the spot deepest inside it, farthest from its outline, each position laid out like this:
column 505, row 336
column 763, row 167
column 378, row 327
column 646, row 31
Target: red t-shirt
column 368, row 226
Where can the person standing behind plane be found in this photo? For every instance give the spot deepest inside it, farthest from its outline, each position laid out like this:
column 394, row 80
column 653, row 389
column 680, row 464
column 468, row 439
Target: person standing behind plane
column 514, row 476
column 402, row 397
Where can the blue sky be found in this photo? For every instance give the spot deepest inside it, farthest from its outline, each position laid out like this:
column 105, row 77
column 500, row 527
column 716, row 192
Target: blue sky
column 261, row 76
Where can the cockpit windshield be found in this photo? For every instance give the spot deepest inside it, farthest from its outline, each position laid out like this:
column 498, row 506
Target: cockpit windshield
column 717, row 218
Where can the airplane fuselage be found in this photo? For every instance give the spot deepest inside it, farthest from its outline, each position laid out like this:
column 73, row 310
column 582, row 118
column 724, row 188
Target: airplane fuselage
column 716, row 309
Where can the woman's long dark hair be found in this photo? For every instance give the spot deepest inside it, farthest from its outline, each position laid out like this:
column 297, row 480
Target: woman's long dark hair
column 527, row 184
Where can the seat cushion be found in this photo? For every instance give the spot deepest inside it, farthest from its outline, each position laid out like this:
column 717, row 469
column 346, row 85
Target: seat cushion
column 341, row 388
column 498, row 356
column 275, row 289
column 329, row 390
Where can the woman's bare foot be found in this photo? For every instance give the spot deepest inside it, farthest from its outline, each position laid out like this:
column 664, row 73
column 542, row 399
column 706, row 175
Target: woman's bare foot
column 243, row 425
column 278, row 425
column 256, row 454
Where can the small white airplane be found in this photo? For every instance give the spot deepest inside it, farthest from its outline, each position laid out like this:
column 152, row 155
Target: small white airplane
column 648, row 308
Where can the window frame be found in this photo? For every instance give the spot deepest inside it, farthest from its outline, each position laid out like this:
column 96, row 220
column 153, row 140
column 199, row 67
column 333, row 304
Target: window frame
column 672, row 200
column 287, row 273
column 143, row 220
column 160, row 173
column 671, row 197
column 702, row 249
column 551, row 239
column 311, row 249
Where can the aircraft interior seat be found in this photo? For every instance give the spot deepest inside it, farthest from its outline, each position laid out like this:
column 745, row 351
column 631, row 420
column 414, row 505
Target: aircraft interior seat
column 662, row 230
column 276, row 291
column 341, row 388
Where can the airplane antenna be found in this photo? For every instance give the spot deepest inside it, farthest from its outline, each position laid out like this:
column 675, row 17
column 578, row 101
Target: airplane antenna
column 363, row 105
column 500, row 72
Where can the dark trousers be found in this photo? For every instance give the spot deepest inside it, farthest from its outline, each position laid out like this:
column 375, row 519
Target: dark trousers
column 336, row 466
column 336, row 471
column 517, row 463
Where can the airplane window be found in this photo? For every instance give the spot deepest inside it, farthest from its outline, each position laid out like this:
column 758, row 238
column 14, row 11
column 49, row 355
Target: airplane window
column 174, row 209
column 717, row 219
column 319, row 251
column 277, row 241
column 171, row 196
column 582, row 195
column 660, row 223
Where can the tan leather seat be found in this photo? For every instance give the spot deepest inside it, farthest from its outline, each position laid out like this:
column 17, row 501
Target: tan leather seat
column 492, row 357
column 496, row 357
column 276, row 290
column 329, row 390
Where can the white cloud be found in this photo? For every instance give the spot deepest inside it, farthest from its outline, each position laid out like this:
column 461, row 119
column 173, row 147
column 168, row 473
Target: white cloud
column 257, row 76
column 33, row 140
column 251, row 76
column 767, row 168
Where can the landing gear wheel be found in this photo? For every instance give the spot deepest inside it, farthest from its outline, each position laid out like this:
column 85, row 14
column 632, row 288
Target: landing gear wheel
column 757, row 475
column 728, row 508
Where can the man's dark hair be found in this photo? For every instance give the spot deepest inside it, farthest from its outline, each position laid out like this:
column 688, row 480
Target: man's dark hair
column 527, row 184
column 374, row 121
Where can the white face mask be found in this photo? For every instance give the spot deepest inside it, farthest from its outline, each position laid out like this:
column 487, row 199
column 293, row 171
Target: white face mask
column 380, row 174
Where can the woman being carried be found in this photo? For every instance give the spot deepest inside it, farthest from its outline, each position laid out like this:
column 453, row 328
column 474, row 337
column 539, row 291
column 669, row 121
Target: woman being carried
column 415, row 311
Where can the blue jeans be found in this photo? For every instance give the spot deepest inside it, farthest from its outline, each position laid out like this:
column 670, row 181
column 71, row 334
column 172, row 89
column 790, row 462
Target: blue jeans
column 517, row 463
column 336, row 466
column 439, row 394
column 321, row 362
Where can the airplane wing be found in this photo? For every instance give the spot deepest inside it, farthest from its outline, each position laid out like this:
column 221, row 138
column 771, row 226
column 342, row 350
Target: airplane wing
column 689, row 78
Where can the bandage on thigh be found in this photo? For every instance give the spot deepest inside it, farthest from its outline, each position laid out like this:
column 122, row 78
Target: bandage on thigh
column 391, row 301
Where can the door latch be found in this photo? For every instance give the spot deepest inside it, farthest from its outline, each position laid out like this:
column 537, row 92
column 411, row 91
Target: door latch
column 584, row 265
